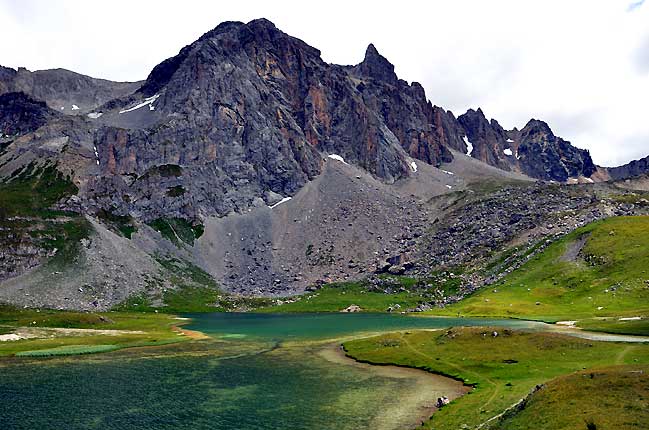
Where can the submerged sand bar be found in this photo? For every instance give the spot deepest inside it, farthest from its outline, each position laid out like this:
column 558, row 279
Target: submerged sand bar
column 415, row 406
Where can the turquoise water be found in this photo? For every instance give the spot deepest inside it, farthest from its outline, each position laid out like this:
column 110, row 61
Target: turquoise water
column 283, row 327
column 256, row 392
column 282, row 388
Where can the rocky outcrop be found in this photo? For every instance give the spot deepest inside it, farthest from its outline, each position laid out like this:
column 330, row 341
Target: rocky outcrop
column 21, row 114
column 488, row 139
column 545, row 156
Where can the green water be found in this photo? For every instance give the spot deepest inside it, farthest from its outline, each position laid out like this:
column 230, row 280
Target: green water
column 281, row 388
column 283, row 327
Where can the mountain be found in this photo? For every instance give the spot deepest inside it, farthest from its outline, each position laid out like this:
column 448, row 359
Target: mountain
column 248, row 157
column 629, row 170
column 63, row 90
column 534, row 150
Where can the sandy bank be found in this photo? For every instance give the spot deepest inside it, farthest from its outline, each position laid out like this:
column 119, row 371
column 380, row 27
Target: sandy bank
column 417, row 405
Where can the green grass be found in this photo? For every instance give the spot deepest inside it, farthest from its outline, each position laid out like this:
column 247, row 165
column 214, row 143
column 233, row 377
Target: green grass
column 195, row 291
column 609, row 398
column 67, row 350
column 502, row 369
column 32, row 190
column 609, row 278
column 140, row 329
column 614, row 325
column 335, row 297
column 125, row 225
column 26, row 215
column 177, row 230
column 404, row 291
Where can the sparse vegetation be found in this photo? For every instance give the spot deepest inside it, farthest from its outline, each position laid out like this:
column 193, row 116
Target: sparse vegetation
column 194, row 291
column 27, row 216
column 123, row 224
column 388, row 291
column 177, row 230
column 165, row 170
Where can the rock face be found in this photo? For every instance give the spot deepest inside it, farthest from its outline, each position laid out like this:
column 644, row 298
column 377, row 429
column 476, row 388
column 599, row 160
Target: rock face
column 248, row 111
column 534, row 150
column 21, row 114
column 546, row 156
column 488, row 139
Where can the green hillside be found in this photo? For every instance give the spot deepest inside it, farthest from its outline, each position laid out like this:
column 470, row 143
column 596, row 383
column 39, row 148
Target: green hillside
column 598, row 273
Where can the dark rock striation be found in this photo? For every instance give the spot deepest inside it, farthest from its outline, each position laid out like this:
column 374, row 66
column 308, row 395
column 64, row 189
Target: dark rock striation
column 21, row 114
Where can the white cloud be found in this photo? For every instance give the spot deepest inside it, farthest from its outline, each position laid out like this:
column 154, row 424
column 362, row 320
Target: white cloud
column 580, row 65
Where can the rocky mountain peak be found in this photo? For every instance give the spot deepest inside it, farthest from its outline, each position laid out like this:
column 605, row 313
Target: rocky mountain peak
column 536, row 126
column 376, row 66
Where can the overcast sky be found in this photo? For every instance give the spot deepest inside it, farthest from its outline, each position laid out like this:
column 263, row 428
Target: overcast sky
column 580, row 65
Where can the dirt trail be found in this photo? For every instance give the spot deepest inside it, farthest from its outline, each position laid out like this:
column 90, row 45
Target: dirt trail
column 574, row 248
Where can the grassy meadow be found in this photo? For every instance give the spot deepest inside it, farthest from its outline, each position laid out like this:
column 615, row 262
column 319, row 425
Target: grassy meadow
column 503, row 369
column 55, row 331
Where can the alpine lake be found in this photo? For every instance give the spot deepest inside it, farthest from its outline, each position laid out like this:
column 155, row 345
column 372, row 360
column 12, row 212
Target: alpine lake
column 253, row 371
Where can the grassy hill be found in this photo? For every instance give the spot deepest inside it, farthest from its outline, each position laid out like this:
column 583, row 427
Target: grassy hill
column 596, row 274
column 503, row 369
column 568, row 402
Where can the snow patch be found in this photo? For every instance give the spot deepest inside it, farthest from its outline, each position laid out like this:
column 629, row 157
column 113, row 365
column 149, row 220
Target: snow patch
column 336, row 157
column 447, row 172
column 518, row 157
column 589, row 180
column 469, row 146
column 148, row 101
column 449, row 187
column 413, row 166
column 62, row 107
column 508, row 151
column 630, row 319
column 95, row 115
column 75, row 107
column 510, row 141
column 284, row 200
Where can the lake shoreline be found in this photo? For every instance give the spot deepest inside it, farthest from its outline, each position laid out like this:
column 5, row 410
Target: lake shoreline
column 427, row 387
